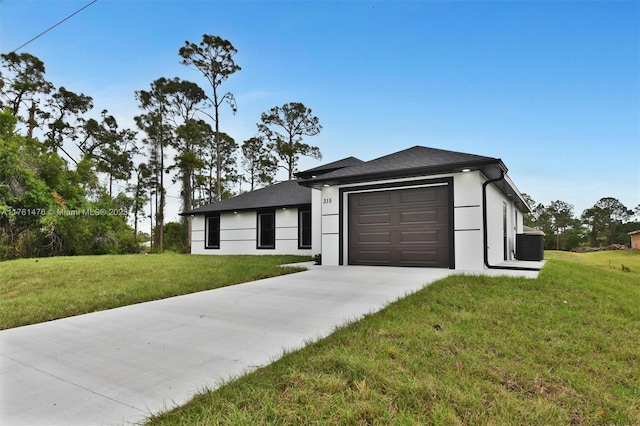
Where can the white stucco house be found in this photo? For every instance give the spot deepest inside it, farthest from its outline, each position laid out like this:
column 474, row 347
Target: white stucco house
column 420, row 207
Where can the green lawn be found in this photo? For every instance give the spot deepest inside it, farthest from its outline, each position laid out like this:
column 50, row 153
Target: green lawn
column 616, row 260
column 33, row 291
column 559, row 350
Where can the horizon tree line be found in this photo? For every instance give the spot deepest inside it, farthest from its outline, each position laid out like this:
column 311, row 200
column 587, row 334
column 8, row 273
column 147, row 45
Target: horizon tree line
column 607, row 223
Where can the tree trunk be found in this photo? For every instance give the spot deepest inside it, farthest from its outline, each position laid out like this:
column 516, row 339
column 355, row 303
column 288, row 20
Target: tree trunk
column 32, row 120
column 216, row 108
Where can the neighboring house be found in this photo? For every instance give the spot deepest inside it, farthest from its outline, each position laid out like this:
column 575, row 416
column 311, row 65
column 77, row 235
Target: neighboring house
column 635, row 240
column 418, row 207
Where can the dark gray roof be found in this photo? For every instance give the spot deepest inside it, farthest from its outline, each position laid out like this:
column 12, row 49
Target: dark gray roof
column 330, row 167
column 409, row 162
column 282, row 194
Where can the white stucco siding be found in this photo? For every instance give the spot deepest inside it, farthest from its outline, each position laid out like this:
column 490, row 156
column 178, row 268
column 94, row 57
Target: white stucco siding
column 330, row 206
column 286, row 233
column 467, row 189
column 467, row 220
column 469, row 255
column 316, row 221
column 197, row 235
column 238, row 234
column 496, row 202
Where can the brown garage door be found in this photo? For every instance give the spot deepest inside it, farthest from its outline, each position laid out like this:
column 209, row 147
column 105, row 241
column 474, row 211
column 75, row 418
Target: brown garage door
column 404, row 227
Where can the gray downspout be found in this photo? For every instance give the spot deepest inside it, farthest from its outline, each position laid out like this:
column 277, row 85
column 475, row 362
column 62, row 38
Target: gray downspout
column 485, row 232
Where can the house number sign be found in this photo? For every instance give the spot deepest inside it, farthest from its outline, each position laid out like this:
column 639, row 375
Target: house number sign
column 327, row 200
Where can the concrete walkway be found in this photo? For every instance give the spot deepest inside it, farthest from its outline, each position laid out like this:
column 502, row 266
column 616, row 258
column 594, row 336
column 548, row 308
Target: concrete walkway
column 121, row 365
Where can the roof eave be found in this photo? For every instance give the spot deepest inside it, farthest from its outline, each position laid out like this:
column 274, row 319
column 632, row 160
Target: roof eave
column 483, row 165
column 246, row 209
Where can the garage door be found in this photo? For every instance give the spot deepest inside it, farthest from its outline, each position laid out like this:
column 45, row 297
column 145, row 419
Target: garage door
column 404, row 227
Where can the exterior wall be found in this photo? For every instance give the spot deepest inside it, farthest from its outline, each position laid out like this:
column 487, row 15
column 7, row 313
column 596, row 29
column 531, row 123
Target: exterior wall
column 330, row 205
column 331, row 217
column 467, row 221
column 238, row 231
column 495, row 244
column 238, row 234
column 197, row 235
column 316, row 221
column 635, row 241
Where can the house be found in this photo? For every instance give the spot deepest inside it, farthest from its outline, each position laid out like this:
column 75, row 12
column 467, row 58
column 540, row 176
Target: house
column 635, row 240
column 421, row 207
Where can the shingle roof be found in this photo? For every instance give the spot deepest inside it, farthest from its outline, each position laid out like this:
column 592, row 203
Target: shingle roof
column 419, row 159
column 330, row 167
column 282, row 194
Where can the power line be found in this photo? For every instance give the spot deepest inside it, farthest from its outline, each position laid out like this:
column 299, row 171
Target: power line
column 52, row 27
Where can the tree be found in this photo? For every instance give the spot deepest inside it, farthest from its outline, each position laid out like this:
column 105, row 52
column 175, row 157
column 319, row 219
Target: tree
column 530, row 218
column 184, row 99
column 258, row 162
column 62, row 106
column 284, row 128
column 112, row 149
column 561, row 214
column 191, row 135
column 213, row 57
column 171, row 105
column 605, row 221
column 177, row 237
column 22, row 87
column 219, row 170
column 155, row 123
column 139, row 192
column 24, row 197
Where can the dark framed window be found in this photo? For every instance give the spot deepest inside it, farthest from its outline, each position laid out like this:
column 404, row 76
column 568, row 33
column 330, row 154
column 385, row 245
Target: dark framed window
column 266, row 229
column 212, row 232
column 304, row 228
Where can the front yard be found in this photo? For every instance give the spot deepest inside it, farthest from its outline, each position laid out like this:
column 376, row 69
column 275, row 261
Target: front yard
column 33, row 291
column 559, row 350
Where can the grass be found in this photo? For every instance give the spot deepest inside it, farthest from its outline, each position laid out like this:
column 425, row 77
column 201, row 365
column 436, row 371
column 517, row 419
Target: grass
column 33, row 291
column 559, row 350
column 620, row 260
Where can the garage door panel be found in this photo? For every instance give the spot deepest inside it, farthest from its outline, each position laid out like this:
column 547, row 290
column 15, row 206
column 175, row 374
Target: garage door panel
column 417, row 196
column 420, row 237
column 374, row 237
column 374, row 219
column 375, row 257
column 404, row 227
column 431, row 216
column 415, row 257
column 376, row 199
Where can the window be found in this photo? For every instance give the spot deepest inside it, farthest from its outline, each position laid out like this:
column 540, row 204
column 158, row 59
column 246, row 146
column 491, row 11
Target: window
column 212, row 232
column 504, row 231
column 267, row 229
column 304, row 229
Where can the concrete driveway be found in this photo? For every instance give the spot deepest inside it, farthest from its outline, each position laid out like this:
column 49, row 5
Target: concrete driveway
column 121, row 365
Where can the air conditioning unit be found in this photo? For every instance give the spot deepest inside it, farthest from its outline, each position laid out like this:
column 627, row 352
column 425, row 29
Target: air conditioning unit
column 530, row 245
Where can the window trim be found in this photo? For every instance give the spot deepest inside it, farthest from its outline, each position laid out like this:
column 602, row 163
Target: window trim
column 259, row 244
column 301, row 245
column 207, row 241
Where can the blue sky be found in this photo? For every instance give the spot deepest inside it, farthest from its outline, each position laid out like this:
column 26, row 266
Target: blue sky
column 551, row 87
